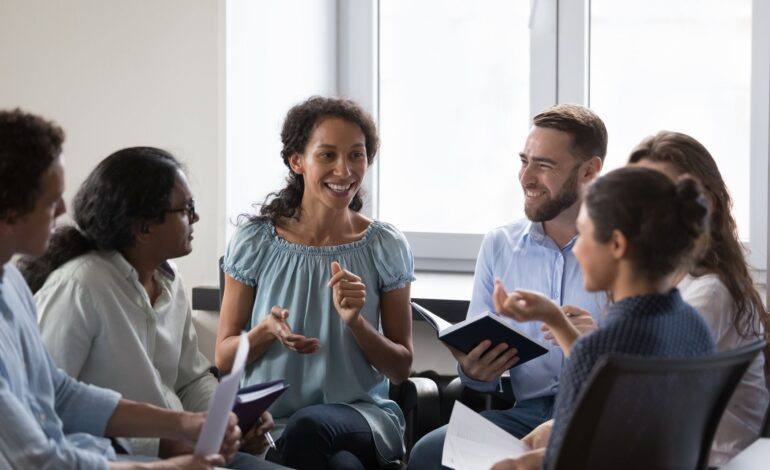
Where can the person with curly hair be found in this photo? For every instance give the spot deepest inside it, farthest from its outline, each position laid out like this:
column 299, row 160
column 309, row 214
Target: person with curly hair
column 51, row 420
column 323, row 293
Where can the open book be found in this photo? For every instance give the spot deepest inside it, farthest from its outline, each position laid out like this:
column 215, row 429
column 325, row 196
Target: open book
column 253, row 400
column 468, row 333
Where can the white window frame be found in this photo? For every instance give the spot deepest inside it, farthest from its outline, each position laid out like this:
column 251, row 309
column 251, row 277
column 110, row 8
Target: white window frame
column 560, row 40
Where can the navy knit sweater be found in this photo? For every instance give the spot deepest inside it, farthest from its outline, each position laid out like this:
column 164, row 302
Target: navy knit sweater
column 648, row 325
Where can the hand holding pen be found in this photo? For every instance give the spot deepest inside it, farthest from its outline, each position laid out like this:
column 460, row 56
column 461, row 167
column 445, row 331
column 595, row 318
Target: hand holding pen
column 258, row 438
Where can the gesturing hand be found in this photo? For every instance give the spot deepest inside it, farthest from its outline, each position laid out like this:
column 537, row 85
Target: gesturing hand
column 277, row 326
column 524, row 305
column 349, row 293
column 581, row 319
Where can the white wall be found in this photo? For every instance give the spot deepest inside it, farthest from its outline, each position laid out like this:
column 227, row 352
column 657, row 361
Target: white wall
column 278, row 54
column 116, row 73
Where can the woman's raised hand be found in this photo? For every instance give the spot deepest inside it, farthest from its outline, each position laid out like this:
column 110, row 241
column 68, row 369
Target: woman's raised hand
column 278, row 327
column 349, row 293
column 523, row 306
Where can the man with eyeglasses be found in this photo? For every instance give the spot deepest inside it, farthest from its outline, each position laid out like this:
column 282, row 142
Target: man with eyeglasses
column 113, row 309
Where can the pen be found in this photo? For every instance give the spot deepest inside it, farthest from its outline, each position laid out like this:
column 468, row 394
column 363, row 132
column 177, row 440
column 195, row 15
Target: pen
column 270, row 440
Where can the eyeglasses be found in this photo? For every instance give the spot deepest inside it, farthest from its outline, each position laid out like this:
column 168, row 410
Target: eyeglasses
column 189, row 210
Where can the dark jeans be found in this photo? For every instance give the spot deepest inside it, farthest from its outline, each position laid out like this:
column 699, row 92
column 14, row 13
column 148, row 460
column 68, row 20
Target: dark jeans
column 332, row 437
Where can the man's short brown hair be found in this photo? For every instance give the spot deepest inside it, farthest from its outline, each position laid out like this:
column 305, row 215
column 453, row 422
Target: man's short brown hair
column 589, row 136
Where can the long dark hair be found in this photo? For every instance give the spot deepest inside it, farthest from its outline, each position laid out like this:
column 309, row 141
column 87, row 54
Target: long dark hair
column 661, row 220
column 132, row 186
column 298, row 127
column 722, row 252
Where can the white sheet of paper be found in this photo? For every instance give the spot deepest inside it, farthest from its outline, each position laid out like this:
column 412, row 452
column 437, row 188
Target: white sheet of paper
column 474, row 443
column 213, row 432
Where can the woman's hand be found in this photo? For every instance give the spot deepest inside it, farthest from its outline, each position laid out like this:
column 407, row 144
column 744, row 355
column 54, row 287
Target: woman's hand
column 538, row 437
column 581, row 319
column 275, row 323
column 349, row 293
column 524, row 305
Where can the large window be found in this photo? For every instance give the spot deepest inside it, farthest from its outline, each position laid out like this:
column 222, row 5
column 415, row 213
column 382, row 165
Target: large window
column 681, row 66
column 454, row 112
column 456, row 82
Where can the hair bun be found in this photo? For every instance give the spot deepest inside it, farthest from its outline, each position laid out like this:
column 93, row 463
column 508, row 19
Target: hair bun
column 692, row 206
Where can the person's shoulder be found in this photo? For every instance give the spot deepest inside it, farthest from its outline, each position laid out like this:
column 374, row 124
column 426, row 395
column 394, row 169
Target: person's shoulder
column 91, row 268
column 707, row 285
column 386, row 232
column 252, row 230
column 512, row 232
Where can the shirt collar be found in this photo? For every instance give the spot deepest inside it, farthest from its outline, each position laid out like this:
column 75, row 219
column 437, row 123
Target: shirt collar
column 164, row 271
column 536, row 233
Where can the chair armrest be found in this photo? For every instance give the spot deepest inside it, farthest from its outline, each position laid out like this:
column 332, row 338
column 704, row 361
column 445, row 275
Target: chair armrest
column 418, row 398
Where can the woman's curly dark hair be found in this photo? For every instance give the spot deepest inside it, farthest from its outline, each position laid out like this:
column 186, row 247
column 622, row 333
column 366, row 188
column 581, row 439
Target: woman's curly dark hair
column 131, row 187
column 28, row 146
column 298, row 127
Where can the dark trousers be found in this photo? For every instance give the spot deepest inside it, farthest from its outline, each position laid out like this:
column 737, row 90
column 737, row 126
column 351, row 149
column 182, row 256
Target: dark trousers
column 334, row 437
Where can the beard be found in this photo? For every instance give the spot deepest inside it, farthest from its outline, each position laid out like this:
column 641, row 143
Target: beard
column 567, row 196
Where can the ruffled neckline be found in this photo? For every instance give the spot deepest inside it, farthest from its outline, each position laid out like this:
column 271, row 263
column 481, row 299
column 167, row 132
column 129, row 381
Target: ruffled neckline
column 284, row 244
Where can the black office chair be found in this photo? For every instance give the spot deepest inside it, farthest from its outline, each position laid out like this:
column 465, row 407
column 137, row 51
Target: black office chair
column 765, row 429
column 642, row 412
column 418, row 397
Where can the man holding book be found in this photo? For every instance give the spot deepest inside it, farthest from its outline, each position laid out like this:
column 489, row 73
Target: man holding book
column 564, row 151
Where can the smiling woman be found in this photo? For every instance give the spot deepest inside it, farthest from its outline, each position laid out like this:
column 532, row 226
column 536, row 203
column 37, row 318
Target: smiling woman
column 323, row 292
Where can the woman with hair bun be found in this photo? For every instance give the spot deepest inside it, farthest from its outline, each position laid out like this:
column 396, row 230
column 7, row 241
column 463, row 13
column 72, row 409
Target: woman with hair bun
column 636, row 226
column 716, row 281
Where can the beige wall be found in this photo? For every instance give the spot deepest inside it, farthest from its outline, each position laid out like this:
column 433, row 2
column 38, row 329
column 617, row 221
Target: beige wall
column 118, row 73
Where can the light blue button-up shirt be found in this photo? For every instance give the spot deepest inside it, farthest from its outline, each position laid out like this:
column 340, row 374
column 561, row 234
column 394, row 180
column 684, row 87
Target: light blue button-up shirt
column 49, row 420
column 524, row 257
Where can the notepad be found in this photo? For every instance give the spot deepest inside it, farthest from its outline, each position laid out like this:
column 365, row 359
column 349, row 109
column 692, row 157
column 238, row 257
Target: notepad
column 472, row 442
column 467, row 334
column 254, row 400
column 213, row 432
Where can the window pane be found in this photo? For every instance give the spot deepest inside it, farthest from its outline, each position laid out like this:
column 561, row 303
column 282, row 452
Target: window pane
column 454, row 112
column 682, row 66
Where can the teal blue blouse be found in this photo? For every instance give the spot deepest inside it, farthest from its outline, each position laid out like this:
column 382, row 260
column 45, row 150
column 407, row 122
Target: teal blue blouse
column 295, row 277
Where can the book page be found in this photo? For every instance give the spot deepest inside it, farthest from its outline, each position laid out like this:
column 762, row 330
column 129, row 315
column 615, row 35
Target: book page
column 213, row 432
column 438, row 323
column 473, row 442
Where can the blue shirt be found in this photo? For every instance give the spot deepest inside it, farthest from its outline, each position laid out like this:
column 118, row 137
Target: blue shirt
column 660, row 325
column 295, row 277
column 49, row 420
column 524, row 257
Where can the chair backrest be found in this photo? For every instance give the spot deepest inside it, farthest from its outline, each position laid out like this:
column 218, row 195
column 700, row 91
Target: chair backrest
column 642, row 412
